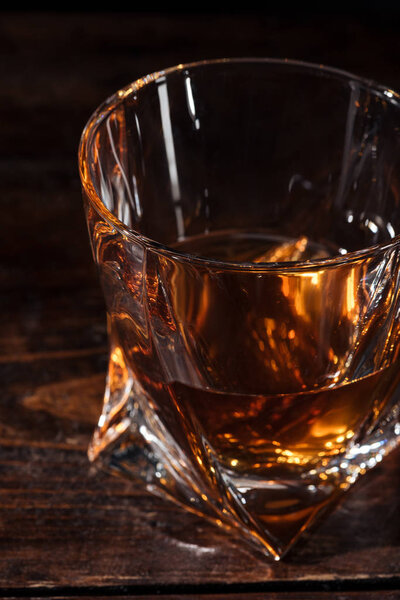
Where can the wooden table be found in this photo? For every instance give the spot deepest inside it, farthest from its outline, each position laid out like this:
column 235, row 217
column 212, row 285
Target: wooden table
column 65, row 531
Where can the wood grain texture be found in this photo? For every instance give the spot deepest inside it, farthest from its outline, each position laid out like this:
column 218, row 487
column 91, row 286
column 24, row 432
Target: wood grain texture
column 61, row 524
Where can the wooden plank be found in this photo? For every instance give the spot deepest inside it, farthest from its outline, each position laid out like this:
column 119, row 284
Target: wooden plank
column 60, row 523
column 380, row 595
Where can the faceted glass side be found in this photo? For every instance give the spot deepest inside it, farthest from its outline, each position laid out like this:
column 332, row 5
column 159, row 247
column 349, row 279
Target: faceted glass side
column 192, row 405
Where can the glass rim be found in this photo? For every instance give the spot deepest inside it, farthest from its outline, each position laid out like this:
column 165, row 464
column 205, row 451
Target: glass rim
column 111, row 103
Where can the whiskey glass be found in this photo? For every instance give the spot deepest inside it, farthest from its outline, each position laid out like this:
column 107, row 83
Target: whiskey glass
column 244, row 216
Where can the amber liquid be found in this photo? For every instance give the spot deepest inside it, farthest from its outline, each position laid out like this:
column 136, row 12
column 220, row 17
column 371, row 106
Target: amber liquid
column 276, row 389
column 260, row 433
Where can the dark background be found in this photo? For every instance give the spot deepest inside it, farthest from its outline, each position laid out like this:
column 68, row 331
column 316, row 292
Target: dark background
column 63, row 529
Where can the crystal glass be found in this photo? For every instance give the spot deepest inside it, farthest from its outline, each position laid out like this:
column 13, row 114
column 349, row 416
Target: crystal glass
column 244, row 216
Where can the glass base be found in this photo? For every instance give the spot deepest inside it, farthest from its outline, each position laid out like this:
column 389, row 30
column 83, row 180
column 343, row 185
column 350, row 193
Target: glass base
column 269, row 512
